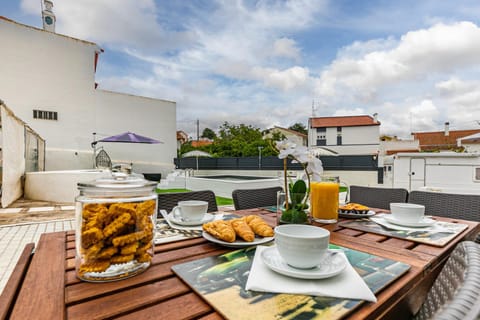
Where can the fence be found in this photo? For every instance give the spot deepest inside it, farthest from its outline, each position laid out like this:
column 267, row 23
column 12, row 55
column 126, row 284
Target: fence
column 344, row 162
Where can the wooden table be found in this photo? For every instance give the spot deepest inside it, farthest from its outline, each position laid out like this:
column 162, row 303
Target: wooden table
column 50, row 289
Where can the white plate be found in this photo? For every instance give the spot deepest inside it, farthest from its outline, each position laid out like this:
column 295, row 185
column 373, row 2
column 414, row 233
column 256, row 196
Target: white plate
column 352, row 215
column 239, row 243
column 206, row 218
column 332, row 264
column 425, row 222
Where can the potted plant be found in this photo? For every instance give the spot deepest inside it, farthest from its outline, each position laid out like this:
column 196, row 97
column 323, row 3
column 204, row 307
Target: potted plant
column 295, row 197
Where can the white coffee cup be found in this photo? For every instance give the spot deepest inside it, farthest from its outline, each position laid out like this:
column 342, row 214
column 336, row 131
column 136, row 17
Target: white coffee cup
column 190, row 210
column 301, row 246
column 407, row 212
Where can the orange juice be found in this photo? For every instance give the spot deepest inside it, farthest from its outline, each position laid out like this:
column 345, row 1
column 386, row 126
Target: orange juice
column 324, row 200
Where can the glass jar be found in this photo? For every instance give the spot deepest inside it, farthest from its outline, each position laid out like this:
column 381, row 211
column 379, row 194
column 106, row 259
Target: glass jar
column 114, row 227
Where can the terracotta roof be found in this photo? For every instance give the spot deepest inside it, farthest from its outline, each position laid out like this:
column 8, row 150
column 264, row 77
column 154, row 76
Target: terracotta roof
column 345, row 121
column 201, row 143
column 438, row 139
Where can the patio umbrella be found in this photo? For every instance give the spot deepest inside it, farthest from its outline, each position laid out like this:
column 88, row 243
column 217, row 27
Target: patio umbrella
column 129, row 137
column 196, row 153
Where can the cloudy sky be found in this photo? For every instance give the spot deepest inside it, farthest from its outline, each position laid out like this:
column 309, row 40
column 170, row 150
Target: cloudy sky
column 414, row 62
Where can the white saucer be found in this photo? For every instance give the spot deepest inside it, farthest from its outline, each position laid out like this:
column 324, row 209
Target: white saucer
column 352, row 215
column 206, row 218
column 333, row 264
column 425, row 222
column 239, row 243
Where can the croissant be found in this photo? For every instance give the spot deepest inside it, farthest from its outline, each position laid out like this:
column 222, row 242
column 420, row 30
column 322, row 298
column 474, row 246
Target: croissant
column 221, row 230
column 242, row 229
column 259, row 226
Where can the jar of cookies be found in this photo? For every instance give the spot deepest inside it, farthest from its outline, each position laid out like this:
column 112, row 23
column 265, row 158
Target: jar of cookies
column 114, row 227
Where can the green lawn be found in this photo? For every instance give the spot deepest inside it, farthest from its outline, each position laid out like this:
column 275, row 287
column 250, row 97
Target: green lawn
column 221, row 201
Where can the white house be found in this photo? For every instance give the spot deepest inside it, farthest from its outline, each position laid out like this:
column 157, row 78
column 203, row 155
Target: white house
column 48, row 80
column 471, row 143
column 347, row 135
column 298, row 138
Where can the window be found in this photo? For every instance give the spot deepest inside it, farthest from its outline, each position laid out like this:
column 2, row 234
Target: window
column 339, row 136
column 477, row 174
column 321, row 136
column 46, row 115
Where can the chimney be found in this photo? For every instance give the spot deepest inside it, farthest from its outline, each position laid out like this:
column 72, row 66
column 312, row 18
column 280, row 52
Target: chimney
column 375, row 115
column 447, row 124
column 48, row 16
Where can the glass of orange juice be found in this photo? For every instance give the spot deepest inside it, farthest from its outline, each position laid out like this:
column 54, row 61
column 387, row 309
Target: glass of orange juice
column 324, row 199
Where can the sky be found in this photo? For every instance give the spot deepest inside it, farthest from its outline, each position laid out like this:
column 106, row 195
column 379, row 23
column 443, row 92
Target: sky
column 416, row 63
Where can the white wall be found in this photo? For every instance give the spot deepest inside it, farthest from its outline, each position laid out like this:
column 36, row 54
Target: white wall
column 148, row 117
column 355, row 140
column 47, row 71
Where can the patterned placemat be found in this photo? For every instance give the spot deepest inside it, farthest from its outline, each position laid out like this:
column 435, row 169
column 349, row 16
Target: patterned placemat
column 221, row 280
column 439, row 236
column 165, row 233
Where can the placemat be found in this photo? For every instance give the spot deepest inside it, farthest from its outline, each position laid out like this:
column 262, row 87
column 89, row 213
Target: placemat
column 164, row 233
column 221, row 280
column 435, row 238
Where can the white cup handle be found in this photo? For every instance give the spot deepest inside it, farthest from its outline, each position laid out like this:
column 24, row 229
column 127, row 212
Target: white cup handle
column 175, row 213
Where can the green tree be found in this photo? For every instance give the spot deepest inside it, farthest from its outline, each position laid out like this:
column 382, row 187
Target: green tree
column 241, row 141
column 299, row 127
column 209, row 134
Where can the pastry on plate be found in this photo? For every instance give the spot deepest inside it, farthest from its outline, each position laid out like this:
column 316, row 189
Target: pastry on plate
column 220, row 229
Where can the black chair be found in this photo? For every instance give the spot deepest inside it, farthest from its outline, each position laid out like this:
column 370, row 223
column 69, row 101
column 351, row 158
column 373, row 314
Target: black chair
column 454, row 294
column 376, row 197
column 255, row 198
column 457, row 206
column 166, row 201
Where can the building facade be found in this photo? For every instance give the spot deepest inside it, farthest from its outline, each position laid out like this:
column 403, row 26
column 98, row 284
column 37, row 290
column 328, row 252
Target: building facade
column 346, row 135
column 48, row 80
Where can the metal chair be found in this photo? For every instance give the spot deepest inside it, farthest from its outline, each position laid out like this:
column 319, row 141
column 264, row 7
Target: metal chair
column 459, row 206
column 377, row 197
column 102, row 160
column 255, row 198
column 166, row 201
column 454, row 294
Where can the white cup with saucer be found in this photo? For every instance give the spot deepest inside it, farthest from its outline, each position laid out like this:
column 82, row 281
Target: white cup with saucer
column 190, row 210
column 407, row 212
column 302, row 246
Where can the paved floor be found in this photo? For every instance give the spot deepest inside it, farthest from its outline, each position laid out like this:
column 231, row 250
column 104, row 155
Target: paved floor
column 13, row 239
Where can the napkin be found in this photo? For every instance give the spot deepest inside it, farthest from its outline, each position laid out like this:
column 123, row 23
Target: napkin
column 348, row 284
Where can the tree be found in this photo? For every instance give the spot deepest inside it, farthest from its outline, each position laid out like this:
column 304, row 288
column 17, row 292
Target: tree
column 299, row 127
column 209, row 134
column 240, row 141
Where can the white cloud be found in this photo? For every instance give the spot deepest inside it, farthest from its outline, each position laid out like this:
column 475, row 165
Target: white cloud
column 285, row 47
column 419, row 55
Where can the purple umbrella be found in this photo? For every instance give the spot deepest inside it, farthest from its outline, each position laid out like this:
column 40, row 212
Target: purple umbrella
column 129, row 137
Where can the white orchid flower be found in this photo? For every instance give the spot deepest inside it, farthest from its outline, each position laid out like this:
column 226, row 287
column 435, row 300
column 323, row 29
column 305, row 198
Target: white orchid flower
column 285, row 148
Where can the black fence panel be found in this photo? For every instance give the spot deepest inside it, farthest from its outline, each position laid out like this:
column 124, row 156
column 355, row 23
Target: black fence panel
column 349, row 163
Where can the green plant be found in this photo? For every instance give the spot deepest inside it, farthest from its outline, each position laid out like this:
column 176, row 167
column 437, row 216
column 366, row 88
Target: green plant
column 295, row 210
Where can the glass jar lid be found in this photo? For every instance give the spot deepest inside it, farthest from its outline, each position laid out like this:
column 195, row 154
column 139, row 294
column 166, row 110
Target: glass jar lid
column 118, row 184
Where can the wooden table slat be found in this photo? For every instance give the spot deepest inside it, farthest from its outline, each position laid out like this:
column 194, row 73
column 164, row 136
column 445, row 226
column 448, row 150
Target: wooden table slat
column 43, row 288
column 189, row 306
column 121, row 302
